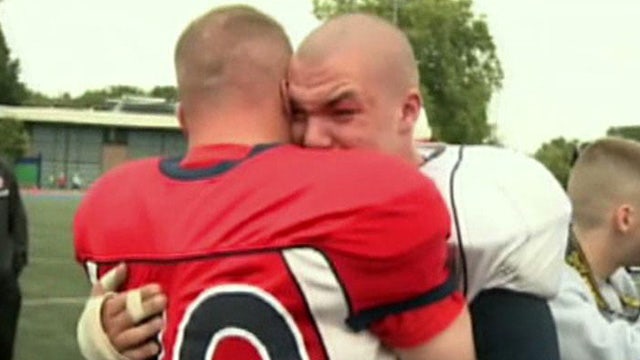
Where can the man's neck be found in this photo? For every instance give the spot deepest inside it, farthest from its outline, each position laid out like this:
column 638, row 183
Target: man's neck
column 599, row 253
column 240, row 128
column 418, row 159
column 239, row 139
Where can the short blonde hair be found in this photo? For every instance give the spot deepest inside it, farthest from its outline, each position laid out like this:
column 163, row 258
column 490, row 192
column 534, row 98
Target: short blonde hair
column 606, row 175
column 231, row 47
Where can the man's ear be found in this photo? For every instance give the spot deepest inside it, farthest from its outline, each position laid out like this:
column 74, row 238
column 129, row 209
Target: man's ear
column 284, row 97
column 410, row 112
column 181, row 119
column 625, row 218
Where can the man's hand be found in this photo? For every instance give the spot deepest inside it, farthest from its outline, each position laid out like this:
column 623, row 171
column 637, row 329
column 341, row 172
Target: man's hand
column 117, row 326
column 133, row 339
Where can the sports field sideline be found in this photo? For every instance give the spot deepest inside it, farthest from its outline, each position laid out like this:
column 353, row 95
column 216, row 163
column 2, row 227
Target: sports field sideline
column 53, row 284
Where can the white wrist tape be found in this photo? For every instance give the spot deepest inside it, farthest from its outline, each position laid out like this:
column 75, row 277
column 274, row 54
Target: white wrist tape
column 93, row 341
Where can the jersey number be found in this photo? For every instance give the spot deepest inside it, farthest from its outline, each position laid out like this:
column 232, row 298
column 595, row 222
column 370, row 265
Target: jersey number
column 239, row 311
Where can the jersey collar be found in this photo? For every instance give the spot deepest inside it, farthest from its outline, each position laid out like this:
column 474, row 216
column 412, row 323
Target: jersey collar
column 210, row 161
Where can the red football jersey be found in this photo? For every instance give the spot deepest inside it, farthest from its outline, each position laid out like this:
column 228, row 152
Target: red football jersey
column 276, row 252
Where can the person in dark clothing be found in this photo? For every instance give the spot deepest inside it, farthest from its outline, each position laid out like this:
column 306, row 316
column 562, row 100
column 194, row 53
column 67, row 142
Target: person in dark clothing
column 13, row 257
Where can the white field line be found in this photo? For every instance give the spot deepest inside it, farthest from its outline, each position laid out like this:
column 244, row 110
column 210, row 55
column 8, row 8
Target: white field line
column 46, row 260
column 73, row 300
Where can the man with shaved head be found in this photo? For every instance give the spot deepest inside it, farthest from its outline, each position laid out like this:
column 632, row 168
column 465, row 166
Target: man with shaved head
column 352, row 64
column 353, row 83
column 265, row 251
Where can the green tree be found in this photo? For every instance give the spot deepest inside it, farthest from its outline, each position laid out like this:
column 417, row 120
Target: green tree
column 90, row 99
column 14, row 139
column 35, row 98
column 457, row 58
column 118, row 91
column 169, row 93
column 98, row 98
column 64, row 100
column 627, row 132
column 12, row 91
column 558, row 156
column 493, row 138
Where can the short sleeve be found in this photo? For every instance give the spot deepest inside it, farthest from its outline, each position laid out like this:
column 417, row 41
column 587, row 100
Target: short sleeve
column 392, row 260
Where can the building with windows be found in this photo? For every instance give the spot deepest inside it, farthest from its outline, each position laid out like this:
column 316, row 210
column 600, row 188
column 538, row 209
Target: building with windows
column 86, row 143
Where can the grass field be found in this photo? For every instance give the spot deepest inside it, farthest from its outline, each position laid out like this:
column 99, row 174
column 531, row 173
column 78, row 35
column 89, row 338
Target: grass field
column 53, row 284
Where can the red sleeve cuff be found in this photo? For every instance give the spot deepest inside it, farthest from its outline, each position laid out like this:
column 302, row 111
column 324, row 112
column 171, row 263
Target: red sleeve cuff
column 418, row 326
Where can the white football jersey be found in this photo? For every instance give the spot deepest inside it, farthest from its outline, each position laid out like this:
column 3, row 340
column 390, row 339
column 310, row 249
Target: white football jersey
column 510, row 217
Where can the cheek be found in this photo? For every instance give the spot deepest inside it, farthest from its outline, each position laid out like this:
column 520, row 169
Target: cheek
column 375, row 141
column 335, row 135
column 358, row 135
column 377, row 138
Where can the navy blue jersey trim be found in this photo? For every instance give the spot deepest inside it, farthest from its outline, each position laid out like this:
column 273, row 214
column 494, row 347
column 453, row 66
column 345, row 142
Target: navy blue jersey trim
column 456, row 220
column 367, row 317
column 438, row 149
column 171, row 166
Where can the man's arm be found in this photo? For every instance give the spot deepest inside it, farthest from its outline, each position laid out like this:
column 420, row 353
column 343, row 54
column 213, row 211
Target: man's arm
column 405, row 294
column 513, row 325
column 17, row 226
column 583, row 332
column 456, row 342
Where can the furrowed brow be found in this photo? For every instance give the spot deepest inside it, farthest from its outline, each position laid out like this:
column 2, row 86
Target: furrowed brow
column 341, row 96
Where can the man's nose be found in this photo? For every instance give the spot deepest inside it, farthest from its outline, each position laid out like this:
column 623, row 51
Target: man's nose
column 316, row 134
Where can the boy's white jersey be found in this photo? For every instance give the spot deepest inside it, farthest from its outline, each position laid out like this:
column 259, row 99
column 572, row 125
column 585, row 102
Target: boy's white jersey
column 510, row 217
